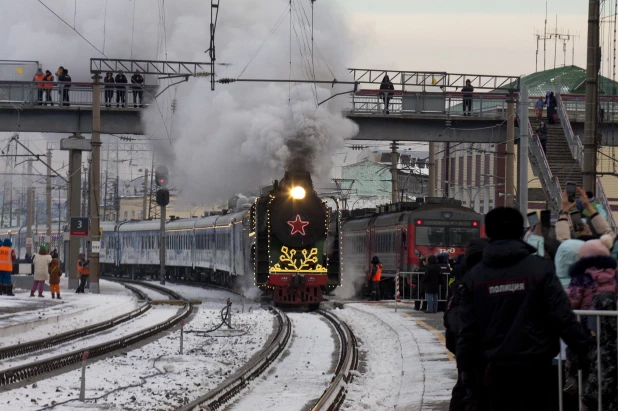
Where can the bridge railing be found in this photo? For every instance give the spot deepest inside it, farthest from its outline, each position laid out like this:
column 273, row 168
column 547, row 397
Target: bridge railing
column 541, row 169
column 30, row 94
column 489, row 105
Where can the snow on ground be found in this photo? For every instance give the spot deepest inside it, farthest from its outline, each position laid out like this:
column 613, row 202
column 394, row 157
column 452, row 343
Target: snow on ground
column 163, row 379
column 33, row 318
column 405, row 367
column 151, row 317
column 203, row 294
column 302, row 374
column 152, row 294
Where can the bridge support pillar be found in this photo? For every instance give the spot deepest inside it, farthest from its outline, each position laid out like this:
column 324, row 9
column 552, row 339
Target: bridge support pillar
column 431, row 190
column 74, row 202
column 522, row 175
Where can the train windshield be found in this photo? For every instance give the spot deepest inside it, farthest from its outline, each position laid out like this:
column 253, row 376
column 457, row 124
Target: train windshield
column 431, row 236
column 461, row 237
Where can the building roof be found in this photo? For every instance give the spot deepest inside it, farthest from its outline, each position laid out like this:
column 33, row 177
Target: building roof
column 566, row 80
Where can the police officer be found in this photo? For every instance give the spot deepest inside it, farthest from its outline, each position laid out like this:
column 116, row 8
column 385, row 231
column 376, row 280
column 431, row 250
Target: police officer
column 121, row 89
column 375, row 276
column 84, row 271
column 7, row 256
column 513, row 313
column 138, row 91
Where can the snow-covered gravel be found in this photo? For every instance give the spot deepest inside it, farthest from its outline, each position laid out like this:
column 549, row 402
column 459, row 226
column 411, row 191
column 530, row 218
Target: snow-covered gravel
column 155, row 315
column 302, row 373
column 405, row 366
column 42, row 317
column 203, row 294
column 163, row 379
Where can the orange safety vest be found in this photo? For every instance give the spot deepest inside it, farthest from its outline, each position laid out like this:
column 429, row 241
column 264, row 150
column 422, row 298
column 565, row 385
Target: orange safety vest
column 6, row 262
column 378, row 274
column 82, row 270
column 39, row 77
column 49, row 78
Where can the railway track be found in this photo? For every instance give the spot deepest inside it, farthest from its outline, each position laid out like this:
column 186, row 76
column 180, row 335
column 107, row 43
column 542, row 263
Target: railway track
column 332, row 397
column 21, row 373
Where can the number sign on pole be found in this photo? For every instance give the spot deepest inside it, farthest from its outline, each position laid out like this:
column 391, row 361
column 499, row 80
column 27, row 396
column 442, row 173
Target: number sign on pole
column 79, row 226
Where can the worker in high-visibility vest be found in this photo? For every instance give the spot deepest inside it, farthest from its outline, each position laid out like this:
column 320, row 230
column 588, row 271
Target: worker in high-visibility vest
column 375, row 276
column 84, row 272
column 7, row 256
column 38, row 77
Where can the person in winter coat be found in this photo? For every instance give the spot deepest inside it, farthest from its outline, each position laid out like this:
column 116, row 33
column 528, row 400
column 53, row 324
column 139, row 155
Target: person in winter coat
column 375, row 276
column 538, row 108
column 551, row 108
column 48, row 79
column 84, row 272
column 65, row 78
column 565, row 257
column 121, row 89
column 7, row 257
column 38, row 77
column 594, row 287
column 467, row 91
column 54, row 278
column 109, row 88
column 385, row 88
column 138, row 80
column 473, row 256
column 431, row 284
column 513, row 313
column 41, row 263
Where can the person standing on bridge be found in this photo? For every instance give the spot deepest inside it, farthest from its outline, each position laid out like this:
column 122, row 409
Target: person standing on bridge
column 551, row 108
column 121, row 89
column 38, row 77
column 538, row 108
column 49, row 78
column 109, row 88
column 542, row 133
column 385, row 88
column 513, row 313
column 138, row 90
column 66, row 79
column 467, row 98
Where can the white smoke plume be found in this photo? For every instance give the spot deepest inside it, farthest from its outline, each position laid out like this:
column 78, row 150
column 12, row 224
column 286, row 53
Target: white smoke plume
column 226, row 141
column 352, row 283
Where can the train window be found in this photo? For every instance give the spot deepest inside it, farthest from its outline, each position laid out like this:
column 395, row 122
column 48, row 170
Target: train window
column 461, row 237
column 431, row 236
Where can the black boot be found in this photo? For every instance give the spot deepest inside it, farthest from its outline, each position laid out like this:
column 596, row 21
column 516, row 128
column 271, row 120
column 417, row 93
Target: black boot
column 59, row 297
column 9, row 290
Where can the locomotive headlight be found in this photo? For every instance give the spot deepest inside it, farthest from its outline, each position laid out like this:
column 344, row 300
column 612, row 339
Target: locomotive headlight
column 298, row 193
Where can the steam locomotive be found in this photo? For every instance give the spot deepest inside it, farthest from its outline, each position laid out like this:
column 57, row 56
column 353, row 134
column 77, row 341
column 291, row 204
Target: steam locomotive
column 286, row 240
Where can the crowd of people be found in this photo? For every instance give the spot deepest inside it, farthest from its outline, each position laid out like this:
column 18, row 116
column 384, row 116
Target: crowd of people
column 511, row 308
column 45, row 85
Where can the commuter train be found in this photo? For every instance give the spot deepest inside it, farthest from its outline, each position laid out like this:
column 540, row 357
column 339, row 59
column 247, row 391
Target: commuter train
column 39, row 236
column 286, row 241
column 404, row 234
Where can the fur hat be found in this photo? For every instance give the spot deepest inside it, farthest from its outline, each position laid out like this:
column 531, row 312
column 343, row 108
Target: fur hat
column 504, row 223
column 595, row 248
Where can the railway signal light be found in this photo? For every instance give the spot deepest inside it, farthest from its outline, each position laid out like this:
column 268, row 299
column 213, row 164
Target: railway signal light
column 163, row 197
column 161, row 176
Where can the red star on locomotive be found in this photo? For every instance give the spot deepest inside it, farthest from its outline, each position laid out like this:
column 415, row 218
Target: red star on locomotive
column 298, row 225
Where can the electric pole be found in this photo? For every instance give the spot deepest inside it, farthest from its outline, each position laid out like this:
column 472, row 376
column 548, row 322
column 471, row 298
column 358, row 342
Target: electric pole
column 29, row 215
column 144, row 212
column 163, row 199
column 431, row 191
column 509, row 190
column 394, row 172
column 95, row 169
column 48, row 199
column 592, row 79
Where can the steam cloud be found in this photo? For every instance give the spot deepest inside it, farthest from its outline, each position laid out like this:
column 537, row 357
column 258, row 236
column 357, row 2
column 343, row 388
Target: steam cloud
column 217, row 143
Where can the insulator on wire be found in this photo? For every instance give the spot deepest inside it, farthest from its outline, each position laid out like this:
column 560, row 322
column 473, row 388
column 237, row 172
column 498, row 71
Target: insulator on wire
column 226, row 80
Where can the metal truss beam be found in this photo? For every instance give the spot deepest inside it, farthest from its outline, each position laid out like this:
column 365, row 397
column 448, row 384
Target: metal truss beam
column 121, row 146
column 437, row 79
column 154, row 67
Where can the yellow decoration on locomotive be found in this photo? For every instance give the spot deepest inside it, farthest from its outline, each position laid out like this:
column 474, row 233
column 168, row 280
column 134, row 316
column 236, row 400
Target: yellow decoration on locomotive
column 305, row 264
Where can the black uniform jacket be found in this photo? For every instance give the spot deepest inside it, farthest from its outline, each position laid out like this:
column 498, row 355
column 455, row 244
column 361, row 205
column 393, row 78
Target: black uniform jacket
column 514, row 310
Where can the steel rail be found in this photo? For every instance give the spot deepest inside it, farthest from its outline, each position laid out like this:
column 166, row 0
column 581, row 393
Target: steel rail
column 23, row 372
column 217, row 397
column 44, row 343
column 334, row 395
